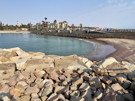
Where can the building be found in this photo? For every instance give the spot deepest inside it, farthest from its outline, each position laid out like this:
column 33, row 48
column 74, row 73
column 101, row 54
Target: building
column 58, row 25
column 39, row 26
column 24, row 29
column 63, row 25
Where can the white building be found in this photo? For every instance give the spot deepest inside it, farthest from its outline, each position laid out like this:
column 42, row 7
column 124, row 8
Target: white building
column 61, row 25
column 24, row 29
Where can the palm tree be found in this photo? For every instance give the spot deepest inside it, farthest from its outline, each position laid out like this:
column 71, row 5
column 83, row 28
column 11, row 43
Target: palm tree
column 81, row 26
column 45, row 18
column 72, row 26
column 55, row 21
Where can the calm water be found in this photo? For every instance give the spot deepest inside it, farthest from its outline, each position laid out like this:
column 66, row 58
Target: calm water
column 62, row 46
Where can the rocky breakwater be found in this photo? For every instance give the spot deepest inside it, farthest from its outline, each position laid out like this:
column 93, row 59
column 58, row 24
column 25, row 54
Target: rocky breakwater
column 34, row 76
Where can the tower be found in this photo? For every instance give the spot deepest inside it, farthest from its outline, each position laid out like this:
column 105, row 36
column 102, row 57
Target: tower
column 18, row 23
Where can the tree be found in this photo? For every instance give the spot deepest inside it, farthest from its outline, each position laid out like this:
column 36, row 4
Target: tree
column 45, row 18
column 73, row 26
column 29, row 25
column 81, row 26
column 0, row 23
column 55, row 21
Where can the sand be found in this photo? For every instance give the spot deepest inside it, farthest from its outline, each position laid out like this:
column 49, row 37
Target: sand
column 15, row 31
column 125, row 48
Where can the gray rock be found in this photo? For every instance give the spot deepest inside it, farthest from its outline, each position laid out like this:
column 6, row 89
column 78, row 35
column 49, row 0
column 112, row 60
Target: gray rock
column 106, row 80
column 109, row 97
column 126, row 84
column 84, row 86
column 53, row 97
column 87, row 95
column 61, row 98
column 95, row 82
column 77, row 80
column 131, row 76
column 98, row 95
column 48, row 88
column 74, row 98
column 60, row 89
column 75, row 93
column 132, row 86
column 20, row 64
column 128, row 97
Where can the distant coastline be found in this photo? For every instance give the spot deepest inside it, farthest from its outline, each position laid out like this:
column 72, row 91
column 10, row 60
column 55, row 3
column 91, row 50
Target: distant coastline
column 14, row 31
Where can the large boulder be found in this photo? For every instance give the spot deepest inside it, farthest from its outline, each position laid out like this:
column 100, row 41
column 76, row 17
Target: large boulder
column 3, row 59
column 7, row 54
column 86, row 61
column 14, row 59
column 71, row 62
column 130, row 67
column 107, row 62
column 32, row 64
column 7, row 70
column 12, row 49
column 21, row 64
column 37, row 55
column 48, row 88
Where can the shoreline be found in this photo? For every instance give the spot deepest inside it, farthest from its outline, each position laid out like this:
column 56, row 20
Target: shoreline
column 125, row 48
column 124, row 52
column 102, row 50
column 15, row 31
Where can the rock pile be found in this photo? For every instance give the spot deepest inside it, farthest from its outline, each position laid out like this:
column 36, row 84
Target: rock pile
column 39, row 77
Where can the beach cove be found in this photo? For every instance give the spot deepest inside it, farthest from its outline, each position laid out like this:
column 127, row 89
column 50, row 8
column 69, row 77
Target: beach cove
column 55, row 45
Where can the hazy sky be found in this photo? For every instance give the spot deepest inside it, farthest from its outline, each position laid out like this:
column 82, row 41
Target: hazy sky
column 100, row 13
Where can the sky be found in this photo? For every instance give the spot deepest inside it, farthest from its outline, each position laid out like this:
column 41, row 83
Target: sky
column 94, row 13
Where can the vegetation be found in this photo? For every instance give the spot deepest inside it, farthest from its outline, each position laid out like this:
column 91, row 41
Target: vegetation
column 14, row 27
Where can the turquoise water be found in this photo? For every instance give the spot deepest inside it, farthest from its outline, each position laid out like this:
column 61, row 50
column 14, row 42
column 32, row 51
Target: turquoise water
column 50, row 45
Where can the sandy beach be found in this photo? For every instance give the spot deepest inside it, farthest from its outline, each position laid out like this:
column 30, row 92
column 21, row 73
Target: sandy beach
column 125, row 49
column 15, row 31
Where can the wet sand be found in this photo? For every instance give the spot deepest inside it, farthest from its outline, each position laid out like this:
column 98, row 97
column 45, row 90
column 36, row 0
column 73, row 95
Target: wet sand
column 125, row 48
column 102, row 50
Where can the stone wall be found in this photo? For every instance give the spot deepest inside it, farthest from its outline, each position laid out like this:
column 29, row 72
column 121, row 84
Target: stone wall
column 92, row 35
column 34, row 76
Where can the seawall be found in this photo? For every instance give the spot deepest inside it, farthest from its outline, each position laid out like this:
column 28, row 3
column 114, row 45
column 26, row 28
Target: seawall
column 92, row 35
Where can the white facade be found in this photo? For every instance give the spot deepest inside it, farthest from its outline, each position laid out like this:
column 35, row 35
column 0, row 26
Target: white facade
column 61, row 25
column 24, row 29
